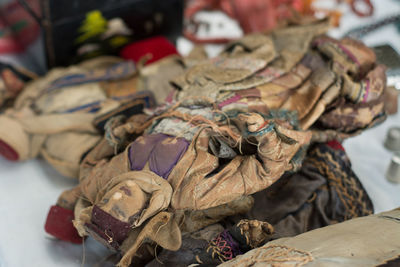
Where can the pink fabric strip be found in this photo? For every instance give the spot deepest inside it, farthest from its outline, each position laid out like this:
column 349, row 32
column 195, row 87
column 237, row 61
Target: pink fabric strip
column 366, row 91
column 344, row 49
column 349, row 54
column 231, row 100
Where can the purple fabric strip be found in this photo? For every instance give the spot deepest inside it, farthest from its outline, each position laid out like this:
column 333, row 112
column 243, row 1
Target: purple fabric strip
column 349, row 54
column 232, row 243
column 366, row 91
column 166, row 155
column 228, row 101
column 344, row 49
column 141, row 149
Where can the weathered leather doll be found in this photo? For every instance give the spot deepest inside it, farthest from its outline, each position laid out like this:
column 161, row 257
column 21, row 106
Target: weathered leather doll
column 61, row 116
column 189, row 158
column 324, row 191
column 235, row 125
column 334, row 85
column 53, row 116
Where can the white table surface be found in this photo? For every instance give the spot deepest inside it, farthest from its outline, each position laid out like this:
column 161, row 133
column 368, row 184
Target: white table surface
column 28, row 189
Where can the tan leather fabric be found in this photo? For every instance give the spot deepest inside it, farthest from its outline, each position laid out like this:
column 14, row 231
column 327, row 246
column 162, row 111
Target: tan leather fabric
column 244, row 175
column 193, row 220
column 366, row 241
column 293, row 68
column 156, row 77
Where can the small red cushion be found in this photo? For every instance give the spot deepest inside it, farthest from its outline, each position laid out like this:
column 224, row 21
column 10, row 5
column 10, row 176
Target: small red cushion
column 158, row 47
column 59, row 224
column 8, row 152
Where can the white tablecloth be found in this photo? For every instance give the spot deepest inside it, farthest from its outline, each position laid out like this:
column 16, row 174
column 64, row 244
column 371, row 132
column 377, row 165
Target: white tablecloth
column 28, row 189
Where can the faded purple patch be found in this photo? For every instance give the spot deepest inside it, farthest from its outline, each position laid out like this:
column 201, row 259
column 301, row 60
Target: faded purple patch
column 166, row 154
column 231, row 243
column 349, row 54
column 230, row 100
column 140, row 150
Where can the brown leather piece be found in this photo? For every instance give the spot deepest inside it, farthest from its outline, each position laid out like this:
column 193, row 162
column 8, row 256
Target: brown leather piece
column 303, row 99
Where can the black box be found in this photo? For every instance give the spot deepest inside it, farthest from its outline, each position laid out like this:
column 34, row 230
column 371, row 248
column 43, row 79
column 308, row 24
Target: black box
column 62, row 18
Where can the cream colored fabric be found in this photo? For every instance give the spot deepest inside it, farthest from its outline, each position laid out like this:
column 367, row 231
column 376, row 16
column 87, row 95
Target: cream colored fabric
column 361, row 242
column 12, row 133
column 40, row 124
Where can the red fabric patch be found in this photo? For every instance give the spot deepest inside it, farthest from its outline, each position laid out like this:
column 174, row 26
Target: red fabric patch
column 59, row 224
column 8, row 152
column 335, row 145
column 158, row 47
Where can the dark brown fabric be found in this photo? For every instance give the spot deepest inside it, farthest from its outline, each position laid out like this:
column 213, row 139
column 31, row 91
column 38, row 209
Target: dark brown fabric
column 240, row 238
column 325, row 191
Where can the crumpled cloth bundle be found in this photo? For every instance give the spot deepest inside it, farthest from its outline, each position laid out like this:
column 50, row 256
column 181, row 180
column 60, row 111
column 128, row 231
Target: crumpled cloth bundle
column 366, row 241
column 323, row 192
column 234, row 125
column 191, row 166
column 335, row 86
column 54, row 115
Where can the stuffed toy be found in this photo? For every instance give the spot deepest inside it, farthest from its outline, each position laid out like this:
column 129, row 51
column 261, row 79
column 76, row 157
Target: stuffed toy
column 61, row 116
column 323, row 192
column 232, row 127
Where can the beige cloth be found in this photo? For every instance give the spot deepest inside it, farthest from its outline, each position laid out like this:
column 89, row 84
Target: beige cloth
column 294, row 68
column 366, row 241
column 38, row 124
column 243, row 175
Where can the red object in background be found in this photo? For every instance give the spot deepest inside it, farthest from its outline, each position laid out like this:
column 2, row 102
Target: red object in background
column 8, row 152
column 18, row 29
column 157, row 47
column 59, row 224
column 253, row 16
column 262, row 15
column 335, row 145
column 362, row 8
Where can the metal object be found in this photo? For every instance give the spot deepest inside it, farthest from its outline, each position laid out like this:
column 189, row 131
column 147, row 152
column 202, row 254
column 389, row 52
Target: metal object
column 393, row 172
column 392, row 141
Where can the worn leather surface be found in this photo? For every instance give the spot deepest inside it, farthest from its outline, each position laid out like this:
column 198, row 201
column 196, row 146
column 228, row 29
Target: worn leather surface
column 367, row 241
